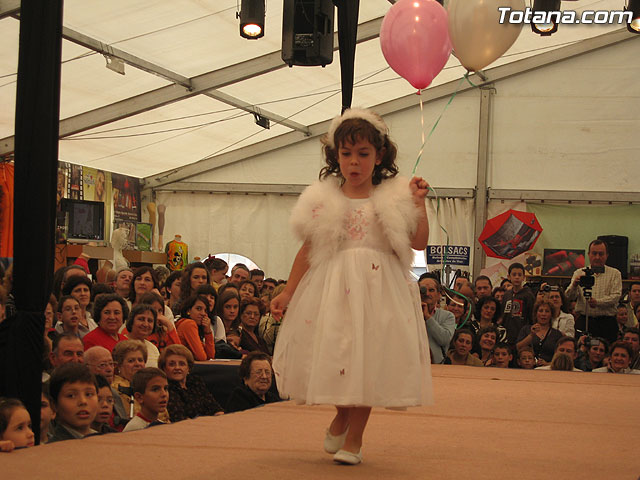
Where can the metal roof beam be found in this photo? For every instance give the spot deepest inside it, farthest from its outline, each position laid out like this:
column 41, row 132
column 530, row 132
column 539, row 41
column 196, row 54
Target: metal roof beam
column 173, row 93
column 9, row 7
column 409, row 101
column 564, row 196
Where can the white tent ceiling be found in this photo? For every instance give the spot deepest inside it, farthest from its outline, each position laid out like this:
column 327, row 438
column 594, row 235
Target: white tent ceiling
column 143, row 123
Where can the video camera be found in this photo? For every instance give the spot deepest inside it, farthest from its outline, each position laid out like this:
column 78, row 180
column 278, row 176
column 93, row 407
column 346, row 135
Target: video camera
column 550, row 288
column 588, row 280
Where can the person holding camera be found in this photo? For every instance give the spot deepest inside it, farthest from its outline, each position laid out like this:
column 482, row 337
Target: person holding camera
column 597, row 291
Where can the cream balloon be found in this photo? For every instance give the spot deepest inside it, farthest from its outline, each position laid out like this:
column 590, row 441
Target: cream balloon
column 477, row 36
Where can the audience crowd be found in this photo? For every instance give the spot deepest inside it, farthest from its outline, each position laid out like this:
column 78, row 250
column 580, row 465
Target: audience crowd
column 120, row 356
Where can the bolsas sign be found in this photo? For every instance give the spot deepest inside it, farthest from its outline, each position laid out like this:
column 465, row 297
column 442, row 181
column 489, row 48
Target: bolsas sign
column 455, row 254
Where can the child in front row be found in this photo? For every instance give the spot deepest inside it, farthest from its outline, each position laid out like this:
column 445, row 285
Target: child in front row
column 151, row 391
column 15, row 425
column 75, row 398
column 502, row 355
column 526, row 358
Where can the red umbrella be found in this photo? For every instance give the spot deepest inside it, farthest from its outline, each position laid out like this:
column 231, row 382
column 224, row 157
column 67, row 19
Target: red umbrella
column 510, row 234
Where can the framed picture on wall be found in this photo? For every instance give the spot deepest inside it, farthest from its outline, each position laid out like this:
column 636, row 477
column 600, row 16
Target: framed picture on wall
column 143, row 236
column 562, row 262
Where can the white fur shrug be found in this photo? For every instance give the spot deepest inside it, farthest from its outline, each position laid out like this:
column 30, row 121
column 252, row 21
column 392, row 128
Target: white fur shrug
column 320, row 216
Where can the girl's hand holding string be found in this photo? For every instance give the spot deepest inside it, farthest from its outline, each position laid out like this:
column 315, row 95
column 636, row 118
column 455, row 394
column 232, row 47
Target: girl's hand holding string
column 419, row 189
column 279, row 304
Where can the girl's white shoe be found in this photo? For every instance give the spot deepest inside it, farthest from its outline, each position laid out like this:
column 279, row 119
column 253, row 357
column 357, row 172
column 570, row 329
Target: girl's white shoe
column 333, row 443
column 348, row 458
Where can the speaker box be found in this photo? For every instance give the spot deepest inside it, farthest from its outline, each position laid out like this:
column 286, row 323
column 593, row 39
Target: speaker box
column 618, row 248
column 307, row 32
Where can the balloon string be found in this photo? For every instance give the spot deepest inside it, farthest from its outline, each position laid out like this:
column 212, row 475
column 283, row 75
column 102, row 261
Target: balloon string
column 415, row 167
column 466, row 76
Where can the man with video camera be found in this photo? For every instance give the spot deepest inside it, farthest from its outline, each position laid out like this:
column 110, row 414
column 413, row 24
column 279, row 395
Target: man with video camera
column 597, row 291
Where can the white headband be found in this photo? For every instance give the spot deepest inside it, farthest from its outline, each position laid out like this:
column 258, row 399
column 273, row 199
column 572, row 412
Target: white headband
column 367, row 115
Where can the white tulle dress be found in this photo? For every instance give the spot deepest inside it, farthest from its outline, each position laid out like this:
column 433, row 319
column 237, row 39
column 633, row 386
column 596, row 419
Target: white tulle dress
column 354, row 334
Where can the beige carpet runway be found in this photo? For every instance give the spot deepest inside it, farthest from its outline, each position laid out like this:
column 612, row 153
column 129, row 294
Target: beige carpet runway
column 486, row 423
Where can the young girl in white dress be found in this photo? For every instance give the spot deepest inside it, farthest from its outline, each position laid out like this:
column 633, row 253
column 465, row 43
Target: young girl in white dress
column 354, row 334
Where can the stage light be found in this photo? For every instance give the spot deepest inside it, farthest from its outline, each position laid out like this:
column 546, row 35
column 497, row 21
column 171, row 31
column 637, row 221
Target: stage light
column 545, row 29
column 633, row 6
column 251, row 17
column 262, row 121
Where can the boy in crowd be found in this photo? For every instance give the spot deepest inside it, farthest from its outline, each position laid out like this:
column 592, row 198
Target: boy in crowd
column 104, row 419
column 632, row 338
column 75, row 397
column 526, row 358
column 502, row 355
column 68, row 315
column 151, row 391
column 46, row 414
column 622, row 317
column 518, row 304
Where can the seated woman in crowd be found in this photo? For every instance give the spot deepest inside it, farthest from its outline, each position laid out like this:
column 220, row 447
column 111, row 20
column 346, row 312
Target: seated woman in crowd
column 269, row 326
column 250, row 313
column 79, row 287
column 188, row 394
column 208, row 291
column 144, row 281
column 485, row 342
column 540, row 336
column 165, row 332
column 257, row 376
column 460, row 352
column 619, row 360
column 488, row 312
column 562, row 319
column 109, row 311
column 140, row 325
column 194, row 328
column 172, row 290
column 591, row 356
column 194, row 275
column 130, row 356
column 227, row 309
column 247, row 289
column 460, row 308
column 217, row 270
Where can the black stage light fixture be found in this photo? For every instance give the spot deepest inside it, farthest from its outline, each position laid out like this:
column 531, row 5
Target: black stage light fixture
column 251, row 17
column 307, row 32
column 633, row 6
column 545, row 29
column 262, row 121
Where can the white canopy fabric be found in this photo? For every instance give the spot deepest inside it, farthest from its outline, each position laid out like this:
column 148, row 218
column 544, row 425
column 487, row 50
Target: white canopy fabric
column 197, row 43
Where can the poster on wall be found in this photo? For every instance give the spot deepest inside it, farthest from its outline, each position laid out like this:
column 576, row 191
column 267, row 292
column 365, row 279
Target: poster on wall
column 75, row 188
column 61, row 192
column 562, row 262
column 126, row 205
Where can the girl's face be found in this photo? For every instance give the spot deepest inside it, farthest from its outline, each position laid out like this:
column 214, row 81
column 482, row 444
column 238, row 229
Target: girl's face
column 198, row 312
column 158, row 307
column 143, row 283
column 82, row 293
column 198, row 278
column 250, row 317
column 488, row 341
column 142, row 326
column 133, row 362
column 543, row 317
column 105, row 405
column 111, row 317
column 463, row 344
column 176, row 367
column 357, row 162
column 48, row 317
column 212, row 301
column 19, row 428
column 230, row 309
column 488, row 311
column 246, row 291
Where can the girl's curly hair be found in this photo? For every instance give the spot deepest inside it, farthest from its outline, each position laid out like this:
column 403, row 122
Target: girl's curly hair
column 351, row 131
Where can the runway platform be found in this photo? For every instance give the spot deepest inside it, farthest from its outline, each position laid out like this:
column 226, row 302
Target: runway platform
column 486, row 424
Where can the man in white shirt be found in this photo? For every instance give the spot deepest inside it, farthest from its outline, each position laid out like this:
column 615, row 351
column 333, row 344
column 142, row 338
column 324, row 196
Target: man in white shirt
column 605, row 295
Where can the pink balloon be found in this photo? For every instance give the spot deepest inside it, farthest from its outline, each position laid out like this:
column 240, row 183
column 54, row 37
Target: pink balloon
column 415, row 40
